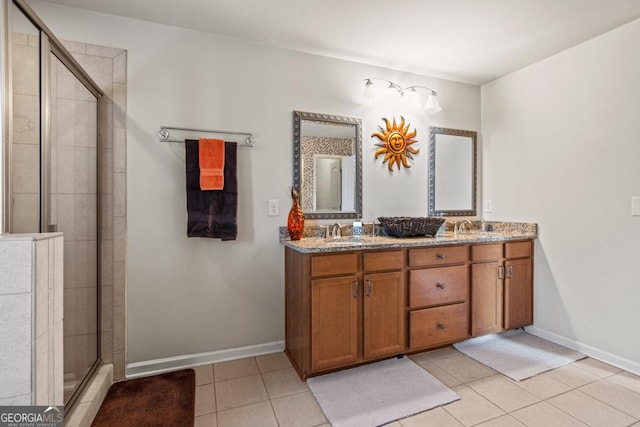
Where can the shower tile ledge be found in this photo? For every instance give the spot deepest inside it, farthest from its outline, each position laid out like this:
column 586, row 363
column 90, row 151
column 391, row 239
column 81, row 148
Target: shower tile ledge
column 89, row 402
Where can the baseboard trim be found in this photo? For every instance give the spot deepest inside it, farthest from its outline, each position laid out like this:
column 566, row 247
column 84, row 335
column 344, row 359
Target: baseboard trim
column 594, row 352
column 158, row 366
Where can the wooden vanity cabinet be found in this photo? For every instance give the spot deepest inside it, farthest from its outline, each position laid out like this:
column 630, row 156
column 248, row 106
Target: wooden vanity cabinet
column 438, row 296
column 343, row 309
column 501, row 286
column 383, row 304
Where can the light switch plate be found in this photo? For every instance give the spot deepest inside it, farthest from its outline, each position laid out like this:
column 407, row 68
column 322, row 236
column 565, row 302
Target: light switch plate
column 274, row 207
column 488, row 205
column 635, row 206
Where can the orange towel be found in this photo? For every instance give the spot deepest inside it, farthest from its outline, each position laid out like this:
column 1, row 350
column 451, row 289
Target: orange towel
column 211, row 153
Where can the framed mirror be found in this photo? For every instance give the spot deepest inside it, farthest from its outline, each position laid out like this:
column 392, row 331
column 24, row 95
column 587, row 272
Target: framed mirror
column 452, row 172
column 327, row 164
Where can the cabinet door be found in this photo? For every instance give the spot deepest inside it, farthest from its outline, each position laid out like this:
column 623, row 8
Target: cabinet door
column 384, row 319
column 334, row 321
column 486, row 298
column 518, row 293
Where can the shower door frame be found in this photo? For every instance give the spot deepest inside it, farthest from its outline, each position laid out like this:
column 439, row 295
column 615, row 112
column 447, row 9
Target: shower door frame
column 50, row 45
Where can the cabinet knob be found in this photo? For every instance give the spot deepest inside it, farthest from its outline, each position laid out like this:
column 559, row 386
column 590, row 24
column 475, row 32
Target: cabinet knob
column 441, row 326
column 441, row 256
column 440, row 285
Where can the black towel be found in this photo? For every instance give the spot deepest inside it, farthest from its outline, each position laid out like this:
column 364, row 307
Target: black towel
column 212, row 213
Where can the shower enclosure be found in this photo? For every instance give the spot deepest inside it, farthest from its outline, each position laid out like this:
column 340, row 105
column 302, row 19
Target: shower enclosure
column 52, row 172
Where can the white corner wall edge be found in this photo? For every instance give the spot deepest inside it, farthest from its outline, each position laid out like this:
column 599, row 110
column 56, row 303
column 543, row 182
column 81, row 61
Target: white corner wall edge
column 157, row 366
column 594, row 352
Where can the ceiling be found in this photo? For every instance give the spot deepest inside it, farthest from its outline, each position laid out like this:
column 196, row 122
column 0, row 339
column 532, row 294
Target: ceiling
column 473, row 41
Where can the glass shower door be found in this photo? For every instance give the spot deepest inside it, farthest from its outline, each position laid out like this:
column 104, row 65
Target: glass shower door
column 73, row 206
column 53, row 167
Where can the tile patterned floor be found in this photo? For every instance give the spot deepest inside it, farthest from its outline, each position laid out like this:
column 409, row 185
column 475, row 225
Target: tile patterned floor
column 266, row 391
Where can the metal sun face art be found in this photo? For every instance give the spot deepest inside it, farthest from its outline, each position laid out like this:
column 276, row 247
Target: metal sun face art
column 396, row 143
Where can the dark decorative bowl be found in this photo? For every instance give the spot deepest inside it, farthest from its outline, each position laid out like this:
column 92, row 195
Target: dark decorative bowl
column 404, row 226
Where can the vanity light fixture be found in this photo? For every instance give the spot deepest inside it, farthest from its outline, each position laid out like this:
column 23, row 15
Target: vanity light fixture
column 431, row 105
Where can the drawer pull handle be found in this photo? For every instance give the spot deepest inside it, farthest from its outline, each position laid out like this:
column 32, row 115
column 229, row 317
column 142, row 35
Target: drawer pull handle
column 355, row 288
column 441, row 326
column 440, row 285
column 442, row 256
column 368, row 288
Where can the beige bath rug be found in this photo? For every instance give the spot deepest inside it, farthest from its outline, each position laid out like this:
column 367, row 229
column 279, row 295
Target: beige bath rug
column 518, row 354
column 379, row 393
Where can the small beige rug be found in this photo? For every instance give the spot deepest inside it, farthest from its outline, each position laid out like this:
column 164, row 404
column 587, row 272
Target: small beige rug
column 379, row 393
column 518, row 354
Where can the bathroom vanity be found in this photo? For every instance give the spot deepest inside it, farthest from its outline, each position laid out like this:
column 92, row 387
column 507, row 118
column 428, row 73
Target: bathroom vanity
column 355, row 301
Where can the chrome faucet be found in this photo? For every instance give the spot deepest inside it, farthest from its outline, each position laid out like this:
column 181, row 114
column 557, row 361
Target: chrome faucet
column 336, row 231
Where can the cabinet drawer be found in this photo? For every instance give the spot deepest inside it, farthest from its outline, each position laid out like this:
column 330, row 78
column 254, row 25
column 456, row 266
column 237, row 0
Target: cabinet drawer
column 437, row 286
column 386, row 260
column 329, row 265
column 490, row 252
column 438, row 256
column 518, row 249
column 433, row 326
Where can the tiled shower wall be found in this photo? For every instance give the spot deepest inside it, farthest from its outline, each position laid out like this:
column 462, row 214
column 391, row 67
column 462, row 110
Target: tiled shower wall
column 107, row 67
column 25, row 151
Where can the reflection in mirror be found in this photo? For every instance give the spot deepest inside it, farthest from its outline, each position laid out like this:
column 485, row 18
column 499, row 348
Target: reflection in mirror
column 328, row 165
column 452, row 172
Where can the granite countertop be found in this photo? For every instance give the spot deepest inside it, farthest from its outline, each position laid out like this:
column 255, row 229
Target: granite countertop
column 501, row 232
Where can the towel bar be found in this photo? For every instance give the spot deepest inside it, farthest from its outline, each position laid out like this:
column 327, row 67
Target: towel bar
column 165, row 136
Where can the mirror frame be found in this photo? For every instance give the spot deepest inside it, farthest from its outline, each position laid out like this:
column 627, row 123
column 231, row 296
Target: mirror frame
column 297, row 160
column 433, row 131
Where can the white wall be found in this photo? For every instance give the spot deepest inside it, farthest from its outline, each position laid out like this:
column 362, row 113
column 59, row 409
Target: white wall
column 196, row 295
column 561, row 149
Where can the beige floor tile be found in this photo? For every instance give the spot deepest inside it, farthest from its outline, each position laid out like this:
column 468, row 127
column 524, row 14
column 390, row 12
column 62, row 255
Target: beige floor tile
column 205, row 401
column 472, row 408
column 235, row 369
column 208, row 420
column 572, row 376
column 298, row 410
column 434, row 354
column 544, row 415
column 544, row 386
column 204, row 374
column 273, row 362
column 627, row 380
column 442, row 375
column 622, row 398
column 256, row 414
column 596, row 367
column 240, row 391
column 589, row 410
column 463, row 367
column 503, row 421
column 504, row 393
column 435, row 417
column 283, row 382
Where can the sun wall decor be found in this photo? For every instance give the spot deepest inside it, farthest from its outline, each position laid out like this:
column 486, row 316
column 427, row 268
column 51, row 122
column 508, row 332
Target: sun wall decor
column 396, row 143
